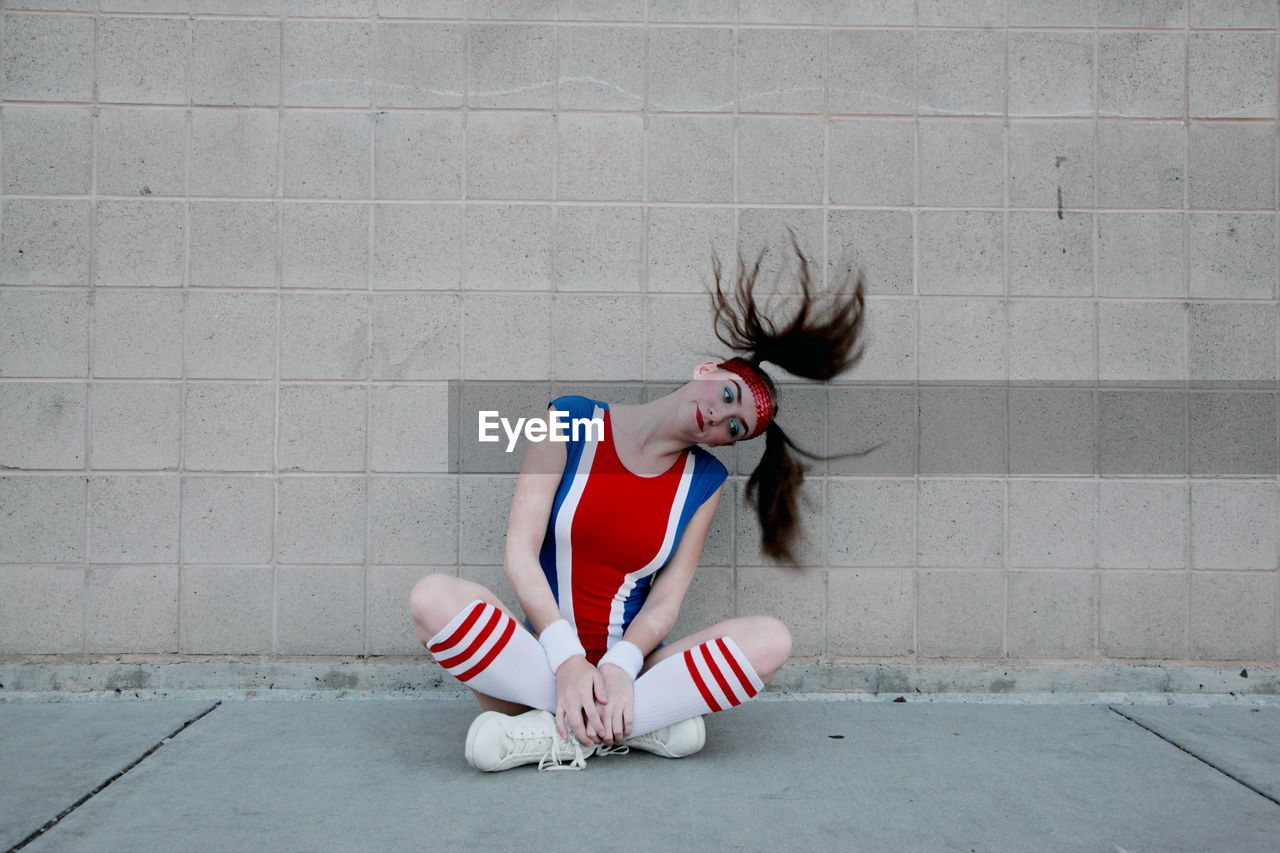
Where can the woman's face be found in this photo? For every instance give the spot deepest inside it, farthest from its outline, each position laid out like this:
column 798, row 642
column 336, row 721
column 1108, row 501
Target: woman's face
column 718, row 407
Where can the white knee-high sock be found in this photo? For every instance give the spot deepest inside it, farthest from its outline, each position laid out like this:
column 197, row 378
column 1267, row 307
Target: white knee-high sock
column 709, row 677
column 485, row 649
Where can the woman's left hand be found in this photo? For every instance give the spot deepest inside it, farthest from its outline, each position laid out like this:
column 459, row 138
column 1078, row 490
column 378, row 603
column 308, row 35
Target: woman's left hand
column 617, row 709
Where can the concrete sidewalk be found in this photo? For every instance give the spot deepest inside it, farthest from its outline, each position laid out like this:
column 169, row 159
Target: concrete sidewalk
column 388, row 774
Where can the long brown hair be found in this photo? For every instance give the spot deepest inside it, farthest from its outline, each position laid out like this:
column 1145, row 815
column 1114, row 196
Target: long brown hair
column 821, row 341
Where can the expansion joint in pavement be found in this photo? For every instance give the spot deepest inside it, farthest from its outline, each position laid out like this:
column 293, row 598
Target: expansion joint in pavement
column 80, row 802
column 1199, row 758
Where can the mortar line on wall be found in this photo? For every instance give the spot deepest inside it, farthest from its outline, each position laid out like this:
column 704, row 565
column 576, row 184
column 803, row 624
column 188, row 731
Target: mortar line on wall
column 554, row 296
column 1186, row 315
column 914, row 655
column 186, row 313
column 368, row 380
column 1006, row 309
column 278, row 195
column 644, row 270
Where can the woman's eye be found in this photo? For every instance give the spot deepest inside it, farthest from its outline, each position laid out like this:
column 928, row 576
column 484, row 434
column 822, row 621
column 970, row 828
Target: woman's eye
column 733, row 429
column 728, row 394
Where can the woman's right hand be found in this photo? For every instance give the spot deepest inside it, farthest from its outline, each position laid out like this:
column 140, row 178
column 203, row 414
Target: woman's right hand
column 577, row 685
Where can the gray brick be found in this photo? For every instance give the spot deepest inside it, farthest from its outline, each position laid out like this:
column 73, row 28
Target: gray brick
column 1142, row 433
column 1232, row 165
column 416, row 335
column 48, row 58
column 1141, row 341
column 1051, row 163
column 682, row 241
column 962, row 252
column 511, row 66
column 961, row 614
column 508, row 317
column 42, row 424
column 1243, row 13
column 132, row 609
column 1051, row 255
column 41, row 610
column 888, row 144
column 1140, row 164
column 708, row 602
column 227, row 520
column 872, row 72
column 1233, row 525
column 1050, row 13
column 389, row 626
column 599, row 248
column 409, row 429
column 1233, row 341
column 226, row 610
column 879, row 420
column 968, row 13
column 324, row 336
column 420, row 155
column 1052, row 432
column 870, row 613
column 872, row 522
column 320, row 610
column 678, row 337
column 142, row 152
column 1050, row 74
column 140, row 243
column 1232, row 255
column 229, row 427
column 1233, row 434
column 718, row 550
column 44, row 333
column 1233, row 616
column 691, row 69
column 766, row 229
column 1051, row 340
column 804, row 414
column 1141, row 75
column 328, row 63
column 133, row 519
column 325, row 245
column 881, row 243
column 1142, row 13
column 890, row 342
column 233, row 244
column 962, row 339
column 691, row 10
column 615, row 344
column 960, row 72
column 153, row 6
column 44, row 241
column 417, row 247
column 781, row 71
column 1142, row 525
column 690, row 158
column 137, row 334
column 231, row 335
column 1143, row 614
column 871, row 12
column 509, row 247
column 1232, row 75
column 47, row 149
column 321, row 428
column 417, row 9
column 415, row 520
column 508, row 153
column 233, row 152
column 330, row 8
column 482, row 529
column 600, row 157
column 1141, row 254
column 780, row 160
column 1052, row 523
column 961, row 162
column 136, row 425
column 798, row 598
column 527, row 9
column 320, row 519
column 326, row 155
column 962, row 431
column 46, row 523
column 1050, row 614
column 142, row 60
column 420, row 65
column 622, row 10
column 961, row 523
column 601, row 68
column 235, row 63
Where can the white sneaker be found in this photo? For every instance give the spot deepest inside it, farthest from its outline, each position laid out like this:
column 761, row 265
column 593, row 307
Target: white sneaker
column 499, row 742
column 674, row 741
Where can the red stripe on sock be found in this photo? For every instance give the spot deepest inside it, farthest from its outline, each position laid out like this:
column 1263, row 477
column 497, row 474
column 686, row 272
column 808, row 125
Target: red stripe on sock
column 489, row 628
column 702, row 685
column 715, row 671
column 457, row 635
column 493, row 652
column 737, row 670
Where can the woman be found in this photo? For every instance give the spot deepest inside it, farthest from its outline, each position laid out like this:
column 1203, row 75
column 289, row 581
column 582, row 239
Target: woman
column 602, row 543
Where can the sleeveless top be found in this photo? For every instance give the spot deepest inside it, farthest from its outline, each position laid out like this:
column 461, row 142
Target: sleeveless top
column 611, row 530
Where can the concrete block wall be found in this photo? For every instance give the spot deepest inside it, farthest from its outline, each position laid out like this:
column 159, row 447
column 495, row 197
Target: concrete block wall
column 246, row 246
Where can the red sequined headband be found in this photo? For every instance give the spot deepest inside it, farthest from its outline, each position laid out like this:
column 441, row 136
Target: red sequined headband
column 765, row 406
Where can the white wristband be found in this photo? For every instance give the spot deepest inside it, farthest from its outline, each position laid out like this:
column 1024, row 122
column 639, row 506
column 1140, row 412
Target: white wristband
column 626, row 656
column 560, row 642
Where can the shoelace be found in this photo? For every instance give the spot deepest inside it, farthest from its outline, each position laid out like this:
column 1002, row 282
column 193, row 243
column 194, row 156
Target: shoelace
column 551, row 759
column 617, row 749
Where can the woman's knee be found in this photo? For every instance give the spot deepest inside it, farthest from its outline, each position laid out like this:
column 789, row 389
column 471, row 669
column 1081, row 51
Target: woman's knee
column 767, row 644
column 434, row 598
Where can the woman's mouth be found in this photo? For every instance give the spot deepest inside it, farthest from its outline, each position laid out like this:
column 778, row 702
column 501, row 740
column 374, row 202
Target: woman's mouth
column 698, row 411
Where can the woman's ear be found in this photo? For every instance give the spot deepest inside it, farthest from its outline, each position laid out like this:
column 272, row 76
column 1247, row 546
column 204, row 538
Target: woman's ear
column 703, row 369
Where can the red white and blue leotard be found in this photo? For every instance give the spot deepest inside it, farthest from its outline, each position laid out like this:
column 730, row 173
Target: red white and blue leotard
column 611, row 530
